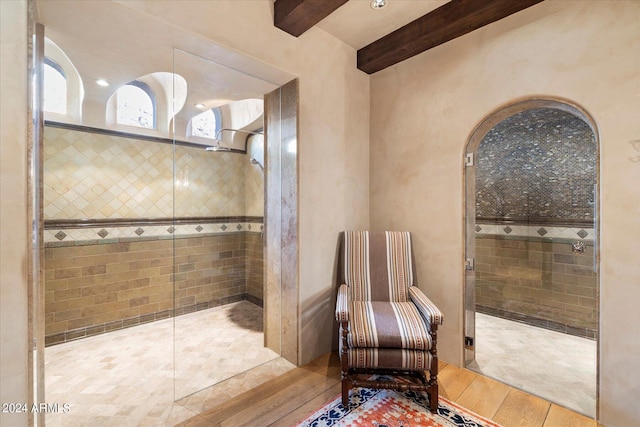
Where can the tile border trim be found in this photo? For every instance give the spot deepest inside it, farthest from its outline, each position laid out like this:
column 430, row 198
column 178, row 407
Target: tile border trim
column 91, row 232
column 536, row 232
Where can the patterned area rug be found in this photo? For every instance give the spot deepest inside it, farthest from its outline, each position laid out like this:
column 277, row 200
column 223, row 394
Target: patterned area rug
column 388, row 408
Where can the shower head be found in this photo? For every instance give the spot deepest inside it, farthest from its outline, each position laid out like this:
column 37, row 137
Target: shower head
column 219, row 147
column 255, row 162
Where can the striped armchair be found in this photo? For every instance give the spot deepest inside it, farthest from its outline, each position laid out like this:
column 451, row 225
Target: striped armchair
column 387, row 325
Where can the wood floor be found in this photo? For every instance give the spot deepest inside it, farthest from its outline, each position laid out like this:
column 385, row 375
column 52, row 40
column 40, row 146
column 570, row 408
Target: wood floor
column 290, row 398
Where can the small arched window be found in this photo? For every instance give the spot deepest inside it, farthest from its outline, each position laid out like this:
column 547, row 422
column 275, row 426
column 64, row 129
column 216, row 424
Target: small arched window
column 55, row 87
column 205, row 124
column 136, row 105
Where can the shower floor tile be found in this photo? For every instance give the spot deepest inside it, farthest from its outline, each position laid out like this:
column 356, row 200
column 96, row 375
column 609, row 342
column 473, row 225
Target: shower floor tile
column 126, row 377
column 558, row 367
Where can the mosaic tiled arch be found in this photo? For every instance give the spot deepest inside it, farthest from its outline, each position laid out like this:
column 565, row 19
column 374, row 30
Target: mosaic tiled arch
column 536, row 161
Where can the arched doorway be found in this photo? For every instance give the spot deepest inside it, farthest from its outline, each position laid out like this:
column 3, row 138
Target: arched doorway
column 531, row 284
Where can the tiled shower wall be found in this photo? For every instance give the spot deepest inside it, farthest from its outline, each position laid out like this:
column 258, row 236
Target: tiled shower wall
column 108, row 276
column 539, row 282
column 93, row 175
column 254, row 177
column 255, row 267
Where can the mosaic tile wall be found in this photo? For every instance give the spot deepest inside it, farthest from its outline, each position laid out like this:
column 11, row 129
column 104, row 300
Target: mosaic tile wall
column 538, row 282
column 537, row 165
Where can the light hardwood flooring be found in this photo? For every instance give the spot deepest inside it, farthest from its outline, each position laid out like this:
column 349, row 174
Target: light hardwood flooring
column 291, row 397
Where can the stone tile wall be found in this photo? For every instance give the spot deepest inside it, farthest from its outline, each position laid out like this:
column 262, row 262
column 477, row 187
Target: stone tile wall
column 254, row 244
column 210, row 271
column 96, row 288
column 93, row 175
column 539, row 282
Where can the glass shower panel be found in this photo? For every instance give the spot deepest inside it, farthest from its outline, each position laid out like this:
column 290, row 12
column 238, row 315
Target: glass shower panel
column 218, row 222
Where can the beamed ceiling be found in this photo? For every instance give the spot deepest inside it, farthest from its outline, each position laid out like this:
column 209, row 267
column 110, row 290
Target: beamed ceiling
column 443, row 23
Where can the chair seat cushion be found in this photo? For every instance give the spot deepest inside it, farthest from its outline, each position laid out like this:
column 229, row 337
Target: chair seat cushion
column 382, row 324
column 389, row 358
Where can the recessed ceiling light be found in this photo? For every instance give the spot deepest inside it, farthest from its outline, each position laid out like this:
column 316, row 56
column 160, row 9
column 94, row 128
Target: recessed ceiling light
column 102, row 82
column 199, row 106
column 378, row 4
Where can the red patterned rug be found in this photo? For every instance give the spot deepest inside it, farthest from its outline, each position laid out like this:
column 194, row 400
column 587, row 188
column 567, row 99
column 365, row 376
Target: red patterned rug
column 388, row 408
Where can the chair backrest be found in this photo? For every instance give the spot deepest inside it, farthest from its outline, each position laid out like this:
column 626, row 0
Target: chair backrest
column 377, row 266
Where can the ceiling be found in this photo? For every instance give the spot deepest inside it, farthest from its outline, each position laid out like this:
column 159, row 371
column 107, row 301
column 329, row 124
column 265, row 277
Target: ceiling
column 358, row 25
column 384, row 37
column 355, row 23
column 98, row 38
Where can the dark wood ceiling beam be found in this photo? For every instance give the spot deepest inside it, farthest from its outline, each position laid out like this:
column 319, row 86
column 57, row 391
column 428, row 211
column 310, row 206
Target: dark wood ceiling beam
column 297, row 16
column 451, row 20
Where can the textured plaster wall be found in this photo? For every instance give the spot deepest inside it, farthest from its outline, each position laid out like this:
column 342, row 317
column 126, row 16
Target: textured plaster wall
column 14, row 257
column 424, row 110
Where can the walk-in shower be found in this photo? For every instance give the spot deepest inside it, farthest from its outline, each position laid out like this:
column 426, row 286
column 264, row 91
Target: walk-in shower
column 164, row 266
column 154, row 244
column 531, row 230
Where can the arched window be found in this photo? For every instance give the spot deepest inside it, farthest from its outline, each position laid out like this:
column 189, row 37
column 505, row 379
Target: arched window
column 55, row 87
column 136, row 105
column 206, row 124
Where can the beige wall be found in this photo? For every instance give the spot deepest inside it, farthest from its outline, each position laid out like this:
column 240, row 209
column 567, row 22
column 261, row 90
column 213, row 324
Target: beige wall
column 14, row 235
column 424, row 110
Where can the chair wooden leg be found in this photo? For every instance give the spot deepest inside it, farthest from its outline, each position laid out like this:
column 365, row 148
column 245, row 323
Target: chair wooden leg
column 433, row 370
column 345, row 393
column 344, row 362
column 433, row 398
